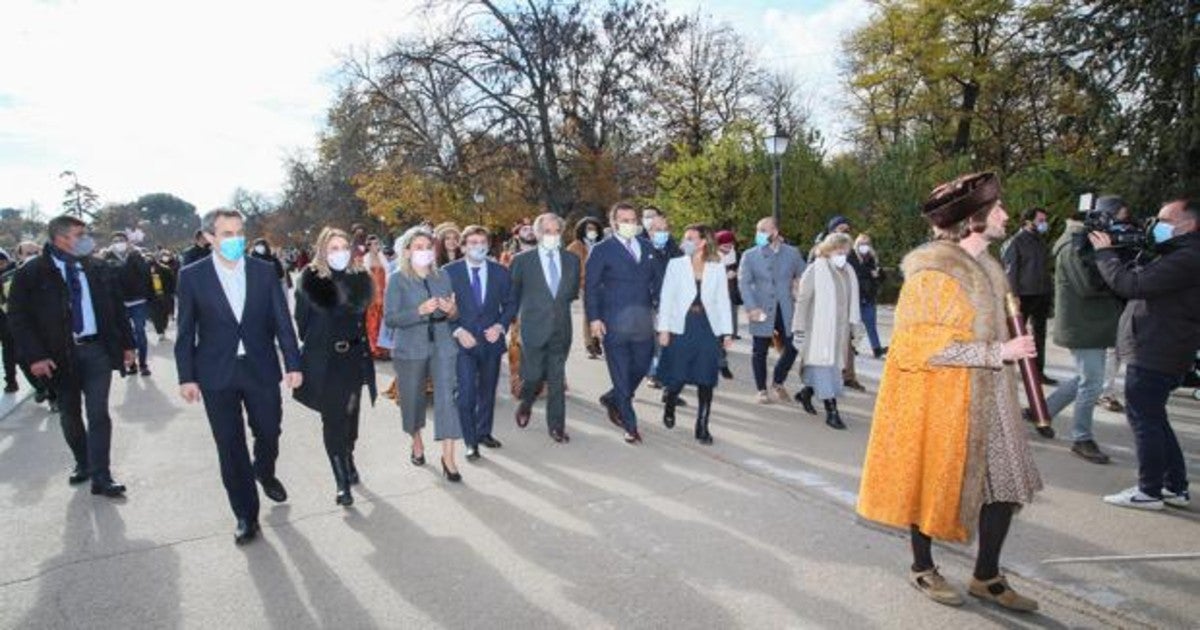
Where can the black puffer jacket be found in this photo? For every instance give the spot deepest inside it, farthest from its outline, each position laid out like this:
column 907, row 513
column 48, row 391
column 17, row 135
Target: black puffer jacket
column 1160, row 327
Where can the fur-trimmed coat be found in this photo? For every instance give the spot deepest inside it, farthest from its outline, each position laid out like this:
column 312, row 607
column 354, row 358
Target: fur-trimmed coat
column 947, row 435
column 329, row 310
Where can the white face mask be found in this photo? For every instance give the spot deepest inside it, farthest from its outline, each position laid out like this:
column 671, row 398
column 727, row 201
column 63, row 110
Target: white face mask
column 647, row 224
column 260, row 249
column 628, row 230
column 864, row 249
column 422, row 258
column 338, row 261
column 120, row 247
column 551, row 241
column 839, row 260
column 476, row 253
column 592, row 235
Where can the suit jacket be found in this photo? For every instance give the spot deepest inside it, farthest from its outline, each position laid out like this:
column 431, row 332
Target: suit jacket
column 679, row 292
column 623, row 292
column 499, row 306
column 765, row 279
column 207, row 348
column 39, row 312
column 411, row 331
column 544, row 317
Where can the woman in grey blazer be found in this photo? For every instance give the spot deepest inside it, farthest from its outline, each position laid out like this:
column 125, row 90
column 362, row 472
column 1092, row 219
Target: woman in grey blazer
column 419, row 308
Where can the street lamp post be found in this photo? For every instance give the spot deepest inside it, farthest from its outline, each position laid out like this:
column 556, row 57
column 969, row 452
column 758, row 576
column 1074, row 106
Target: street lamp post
column 776, row 145
column 479, row 199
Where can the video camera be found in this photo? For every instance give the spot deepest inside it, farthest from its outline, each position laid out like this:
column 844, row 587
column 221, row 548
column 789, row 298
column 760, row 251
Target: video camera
column 1123, row 234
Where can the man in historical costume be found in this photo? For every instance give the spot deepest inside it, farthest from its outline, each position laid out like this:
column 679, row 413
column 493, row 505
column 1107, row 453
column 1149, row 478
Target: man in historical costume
column 948, row 449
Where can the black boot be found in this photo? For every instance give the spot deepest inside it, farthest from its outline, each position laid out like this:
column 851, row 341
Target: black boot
column 704, row 409
column 832, row 418
column 341, row 476
column 670, row 400
column 351, row 469
column 804, row 397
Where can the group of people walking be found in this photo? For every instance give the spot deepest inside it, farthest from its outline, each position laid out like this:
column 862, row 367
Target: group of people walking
column 947, row 458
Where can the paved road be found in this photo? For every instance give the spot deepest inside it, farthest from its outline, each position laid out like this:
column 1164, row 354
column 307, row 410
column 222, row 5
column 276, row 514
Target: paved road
column 756, row 531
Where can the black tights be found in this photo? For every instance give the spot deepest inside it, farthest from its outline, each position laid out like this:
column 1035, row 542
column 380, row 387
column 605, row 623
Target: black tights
column 994, row 519
column 341, row 428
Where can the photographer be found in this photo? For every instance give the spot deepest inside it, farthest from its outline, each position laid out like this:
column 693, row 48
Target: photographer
column 1158, row 337
column 1086, row 319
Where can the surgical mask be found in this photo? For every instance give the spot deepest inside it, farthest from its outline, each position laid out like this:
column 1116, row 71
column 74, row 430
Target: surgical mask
column 1162, row 232
column 864, row 249
column 839, row 260
column 592, row 235
column 260, row 249
column 84, row 246
column 688, row 248
column 762, row 238
column 422, row 258
column 647, row 224
column 551, row 241
column 233, row 248
column 1042, row 226
column 659, row 239
column 628, row 230
column 120, row 247
column 338, row 261
column 477, row 253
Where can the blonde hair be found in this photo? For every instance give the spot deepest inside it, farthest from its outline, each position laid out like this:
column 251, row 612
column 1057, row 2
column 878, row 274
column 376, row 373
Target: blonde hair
column 835, row 241
column 404, row 243
column 320, row 262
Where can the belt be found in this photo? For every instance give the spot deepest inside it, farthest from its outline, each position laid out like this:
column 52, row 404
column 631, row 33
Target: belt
column 343, row 346
column 86, row 339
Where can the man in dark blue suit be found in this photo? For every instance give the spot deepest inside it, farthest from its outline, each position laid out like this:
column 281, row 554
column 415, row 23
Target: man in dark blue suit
column 622, row 282
column 485, row 311
column 232, row 311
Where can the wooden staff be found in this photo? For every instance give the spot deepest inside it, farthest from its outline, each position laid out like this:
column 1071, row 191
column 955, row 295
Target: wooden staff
column 1030, row 375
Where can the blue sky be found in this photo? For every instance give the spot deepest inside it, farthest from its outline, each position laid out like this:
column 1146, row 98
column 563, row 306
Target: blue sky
column 199, row 98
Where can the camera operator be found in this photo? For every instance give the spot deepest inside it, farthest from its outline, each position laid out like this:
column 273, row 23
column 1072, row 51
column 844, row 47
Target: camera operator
column 1158, row 337
column 1085, row 322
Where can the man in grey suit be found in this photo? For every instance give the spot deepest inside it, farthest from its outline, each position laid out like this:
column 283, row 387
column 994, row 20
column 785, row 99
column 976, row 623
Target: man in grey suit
column 544, row 283
column 766, row 280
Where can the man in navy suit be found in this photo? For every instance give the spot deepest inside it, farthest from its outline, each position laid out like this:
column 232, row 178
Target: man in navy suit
column 232, row 311
column 622, row 282
column 485, row 311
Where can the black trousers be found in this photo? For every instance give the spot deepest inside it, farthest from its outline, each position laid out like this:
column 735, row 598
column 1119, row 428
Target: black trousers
column 264, row 412
column 758, row 358
column 9, row 350
column 160, row 312
column 85, row 384
column 548, row 364
column 1036, row 309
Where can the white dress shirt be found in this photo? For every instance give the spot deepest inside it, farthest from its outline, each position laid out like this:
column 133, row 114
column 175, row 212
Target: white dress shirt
column 233, row 283
column 85, row 297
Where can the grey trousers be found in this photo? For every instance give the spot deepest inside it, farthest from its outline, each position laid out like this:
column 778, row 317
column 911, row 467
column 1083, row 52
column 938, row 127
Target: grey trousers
column 546, row 364
column 411, row 375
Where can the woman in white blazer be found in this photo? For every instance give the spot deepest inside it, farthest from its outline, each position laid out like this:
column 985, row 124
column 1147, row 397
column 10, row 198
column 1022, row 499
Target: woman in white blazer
column 694, row 322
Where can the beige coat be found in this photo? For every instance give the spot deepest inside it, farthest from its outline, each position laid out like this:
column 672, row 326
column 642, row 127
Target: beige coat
column 824, row 345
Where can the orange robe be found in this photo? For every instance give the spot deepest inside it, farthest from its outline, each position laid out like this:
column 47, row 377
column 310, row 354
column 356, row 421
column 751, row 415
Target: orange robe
column 375, row 311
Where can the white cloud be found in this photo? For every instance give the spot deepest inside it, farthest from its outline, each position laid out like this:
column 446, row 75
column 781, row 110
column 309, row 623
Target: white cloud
column 194, row 99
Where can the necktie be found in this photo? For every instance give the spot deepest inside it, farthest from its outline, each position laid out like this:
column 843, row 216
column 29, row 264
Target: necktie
column 553, row 275
column 629, row 246
column 76, row 289
column 476, row 286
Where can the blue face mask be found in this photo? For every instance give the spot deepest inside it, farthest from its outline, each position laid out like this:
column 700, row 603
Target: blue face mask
column 659, row 239
column 762, row 239
column 233, row 248
column 1163, row 232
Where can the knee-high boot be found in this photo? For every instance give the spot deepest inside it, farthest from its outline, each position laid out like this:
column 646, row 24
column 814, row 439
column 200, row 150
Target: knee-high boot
column 670, row 401
column 832, row 418
column 341, row 476
column 703, row 411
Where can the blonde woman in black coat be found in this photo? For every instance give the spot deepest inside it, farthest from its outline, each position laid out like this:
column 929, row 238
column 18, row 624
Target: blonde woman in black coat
column 332, row 297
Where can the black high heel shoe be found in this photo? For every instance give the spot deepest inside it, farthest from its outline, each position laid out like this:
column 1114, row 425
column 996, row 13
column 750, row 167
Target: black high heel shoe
column 453, row 477
column 417, row 460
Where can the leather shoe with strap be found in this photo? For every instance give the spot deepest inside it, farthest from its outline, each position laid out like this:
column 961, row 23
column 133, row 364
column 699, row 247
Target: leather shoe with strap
column 935, row 587
column 997, row 590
